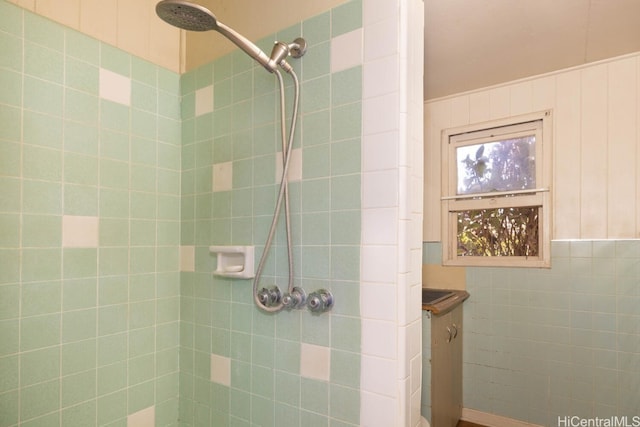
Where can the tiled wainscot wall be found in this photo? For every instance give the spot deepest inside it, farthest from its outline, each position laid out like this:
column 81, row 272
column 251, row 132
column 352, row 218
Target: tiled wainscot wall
column 89, row 229
column 546, row 343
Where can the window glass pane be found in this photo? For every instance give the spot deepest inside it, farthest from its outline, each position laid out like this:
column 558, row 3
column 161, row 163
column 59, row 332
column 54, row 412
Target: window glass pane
column 504, row 165
column 498, row 232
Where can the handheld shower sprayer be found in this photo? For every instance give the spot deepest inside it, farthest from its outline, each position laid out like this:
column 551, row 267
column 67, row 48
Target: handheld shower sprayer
column 193, row 17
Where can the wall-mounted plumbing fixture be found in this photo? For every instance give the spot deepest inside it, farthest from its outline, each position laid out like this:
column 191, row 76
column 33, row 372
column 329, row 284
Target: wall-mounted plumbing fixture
column 320, row 301
column 193, row 17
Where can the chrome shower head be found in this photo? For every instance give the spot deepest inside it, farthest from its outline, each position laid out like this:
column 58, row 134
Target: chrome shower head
column 185, row 15
column 193, row 17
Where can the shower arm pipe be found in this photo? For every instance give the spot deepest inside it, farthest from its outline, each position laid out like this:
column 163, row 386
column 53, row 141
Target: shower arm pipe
column 247, row 46
column 281, row 194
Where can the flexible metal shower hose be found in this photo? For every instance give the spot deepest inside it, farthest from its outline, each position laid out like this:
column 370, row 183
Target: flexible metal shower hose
column 283, row 194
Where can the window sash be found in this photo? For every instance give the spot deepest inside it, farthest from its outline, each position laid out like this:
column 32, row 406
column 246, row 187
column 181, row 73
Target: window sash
column 452, row 203
column 496, row 134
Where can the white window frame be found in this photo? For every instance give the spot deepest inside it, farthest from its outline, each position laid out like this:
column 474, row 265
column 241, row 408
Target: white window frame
column 541, row 124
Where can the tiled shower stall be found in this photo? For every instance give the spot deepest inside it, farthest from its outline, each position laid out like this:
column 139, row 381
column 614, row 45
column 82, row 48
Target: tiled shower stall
column 116, row 175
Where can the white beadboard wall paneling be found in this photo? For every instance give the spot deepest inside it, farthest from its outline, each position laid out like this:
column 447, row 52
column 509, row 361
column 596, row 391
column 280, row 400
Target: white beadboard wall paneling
column 479, row 107
column 622, row 147
column 566, row 154
column 500, row 103
column 544, row 92
column 593, row 155
column 521, row 98
column 436, row 118
column 460, row 111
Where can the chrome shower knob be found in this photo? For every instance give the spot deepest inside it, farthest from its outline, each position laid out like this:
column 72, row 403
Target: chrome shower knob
column 269, row 297
column 320, row 301
column 296, row 299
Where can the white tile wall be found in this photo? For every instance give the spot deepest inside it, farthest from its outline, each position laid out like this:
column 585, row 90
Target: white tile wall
column 380, row 151
column 378, row 301
column 391, row 182
column 380, row 114
column 375, row 226
column 381, row 77
column 377, row 410
column 379, row 338
column 380, row 189
column 384, row 382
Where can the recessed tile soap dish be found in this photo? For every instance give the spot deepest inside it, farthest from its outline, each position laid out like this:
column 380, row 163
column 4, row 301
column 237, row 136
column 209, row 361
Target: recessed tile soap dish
column 234, row 261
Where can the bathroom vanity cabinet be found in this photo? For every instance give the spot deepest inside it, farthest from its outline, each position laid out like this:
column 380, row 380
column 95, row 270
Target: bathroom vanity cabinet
column 446, row 368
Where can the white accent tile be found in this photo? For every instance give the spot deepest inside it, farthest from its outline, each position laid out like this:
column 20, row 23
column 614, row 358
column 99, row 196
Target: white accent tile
column 346, row 50
column 80, row 231
column 380, row 114
column 380, row 226
column 380, row 339
column 377, row 10
column 381, row 39
column 380, row 189
column 295, row 166
column 220, row 370
column 204, row 100
column 379, row 264
column 315, row 361
column 378, row 301
column 377, row 410
column 384, row 381
column 143, row 418
column 380, row 151
column 380, row 77
column 115, row 87
column 187, row 258
column 223, row 176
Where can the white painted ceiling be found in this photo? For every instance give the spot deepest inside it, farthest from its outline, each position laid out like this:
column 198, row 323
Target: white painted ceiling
column 471, row 44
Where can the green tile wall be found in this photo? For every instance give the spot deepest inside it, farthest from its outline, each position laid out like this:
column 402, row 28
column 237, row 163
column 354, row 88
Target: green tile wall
column 540, row 344
column 87, row 335
column 218, row 315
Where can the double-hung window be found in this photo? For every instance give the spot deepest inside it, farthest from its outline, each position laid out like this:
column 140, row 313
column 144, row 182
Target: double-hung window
column 496, row 193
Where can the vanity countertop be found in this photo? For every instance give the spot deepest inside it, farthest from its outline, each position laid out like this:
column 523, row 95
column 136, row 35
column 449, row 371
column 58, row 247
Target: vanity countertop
column 442, row 305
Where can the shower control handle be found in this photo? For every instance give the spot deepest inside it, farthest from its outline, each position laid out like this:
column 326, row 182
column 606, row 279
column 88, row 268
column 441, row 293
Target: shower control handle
column 320, row 301
column 269, row 297
column 296, row 299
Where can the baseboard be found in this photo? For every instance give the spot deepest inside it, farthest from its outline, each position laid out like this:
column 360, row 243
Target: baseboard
column 492, row 420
